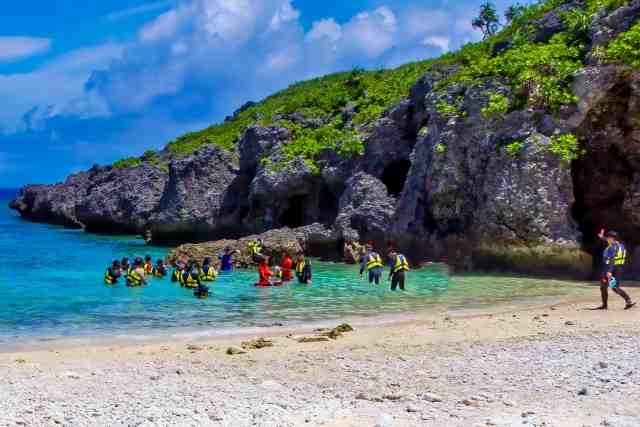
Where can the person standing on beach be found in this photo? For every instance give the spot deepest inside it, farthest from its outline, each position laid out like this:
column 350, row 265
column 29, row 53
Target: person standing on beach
column 371, row 261
column 398, row 267
column 613, row 260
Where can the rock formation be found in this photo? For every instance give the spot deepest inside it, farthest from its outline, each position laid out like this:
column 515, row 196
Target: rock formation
column 440, row 184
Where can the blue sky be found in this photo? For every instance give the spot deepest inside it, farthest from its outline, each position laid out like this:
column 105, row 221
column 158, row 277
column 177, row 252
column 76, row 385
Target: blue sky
column 91, row 82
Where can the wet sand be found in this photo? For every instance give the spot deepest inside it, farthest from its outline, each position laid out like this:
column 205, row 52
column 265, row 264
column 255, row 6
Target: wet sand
column 557, row 365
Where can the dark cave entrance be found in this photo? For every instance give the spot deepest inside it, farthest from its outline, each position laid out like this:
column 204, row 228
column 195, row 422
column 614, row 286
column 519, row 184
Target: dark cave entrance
column 328, row 206
column 295, row 215
column 395, row 176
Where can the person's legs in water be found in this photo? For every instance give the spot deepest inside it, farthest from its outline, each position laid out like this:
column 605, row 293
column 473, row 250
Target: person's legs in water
column 371, row 276
column 376, row 274
column 401, row 279
column 397, row 279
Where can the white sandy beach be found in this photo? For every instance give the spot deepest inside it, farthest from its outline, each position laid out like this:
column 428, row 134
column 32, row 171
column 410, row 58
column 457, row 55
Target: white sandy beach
column 548, row 366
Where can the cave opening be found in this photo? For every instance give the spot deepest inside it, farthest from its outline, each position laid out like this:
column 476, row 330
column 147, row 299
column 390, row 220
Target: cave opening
column 328, row 206
column 395, row 176
column 295, row 214
column 603, row 176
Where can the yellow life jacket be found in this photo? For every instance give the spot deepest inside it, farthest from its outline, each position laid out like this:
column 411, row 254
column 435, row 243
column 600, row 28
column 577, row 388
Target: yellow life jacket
column 374, row 261
column 254, row 248
column 176, row 276
column 401, row 264
column 148, row 268
column 134, row 279
column 108, row 278
column 189, row 281
column 300, row 267
column 621, row 254
column 209, row 275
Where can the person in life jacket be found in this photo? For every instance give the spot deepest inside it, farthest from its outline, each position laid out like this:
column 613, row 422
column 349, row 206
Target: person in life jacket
column 191, row 276
column 613, row 260
column 113, row 273
column 265, row 273
column 398, row 267
column 255, row 249
column 202, row 291
column 159, row 270
column 209, row 273
column 136, row 276
column 177, row 274
column 125, row 267
column 303, row 270
column 226, row 259
column 371, row 261
column 148, row 265
column 286, row 265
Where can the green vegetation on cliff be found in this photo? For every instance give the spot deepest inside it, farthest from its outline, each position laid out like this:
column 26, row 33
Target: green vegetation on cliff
column 625, row 49
column 539, row 73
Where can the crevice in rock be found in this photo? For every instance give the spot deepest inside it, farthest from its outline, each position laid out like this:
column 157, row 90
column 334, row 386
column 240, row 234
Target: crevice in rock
column 328, row 206
column 295, row 215
column 395, row 175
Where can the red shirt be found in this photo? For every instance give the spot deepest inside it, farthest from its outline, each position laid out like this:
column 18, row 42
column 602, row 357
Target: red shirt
column 265, row 274
column 287, row 266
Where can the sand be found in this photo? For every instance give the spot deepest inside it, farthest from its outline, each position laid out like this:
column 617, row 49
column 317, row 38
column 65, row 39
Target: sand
column 547, row 366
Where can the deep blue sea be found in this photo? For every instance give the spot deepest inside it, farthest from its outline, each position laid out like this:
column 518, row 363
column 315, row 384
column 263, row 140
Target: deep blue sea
column 51, row 285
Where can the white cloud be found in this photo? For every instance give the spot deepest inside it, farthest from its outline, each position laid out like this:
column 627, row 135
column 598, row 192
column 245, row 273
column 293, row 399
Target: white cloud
column 13, row 48
column 139, row 10
column 325, row 28
column 442, row 42
column 371, row 33
column 163, row 27
column 56, row 88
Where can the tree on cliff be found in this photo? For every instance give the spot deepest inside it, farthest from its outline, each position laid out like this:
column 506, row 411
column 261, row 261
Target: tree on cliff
column 514, row 11
column 487, row 21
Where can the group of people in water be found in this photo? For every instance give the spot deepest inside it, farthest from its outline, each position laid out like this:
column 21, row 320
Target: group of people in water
column 194, row 274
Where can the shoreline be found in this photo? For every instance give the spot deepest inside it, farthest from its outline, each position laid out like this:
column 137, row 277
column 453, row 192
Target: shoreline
column 504, row 366
column 141, row 338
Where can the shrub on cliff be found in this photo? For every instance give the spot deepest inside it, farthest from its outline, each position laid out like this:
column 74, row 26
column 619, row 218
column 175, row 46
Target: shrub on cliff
column 625, row 48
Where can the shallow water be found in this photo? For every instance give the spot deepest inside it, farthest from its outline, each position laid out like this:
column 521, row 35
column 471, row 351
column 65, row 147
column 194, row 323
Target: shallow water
column 51, row 286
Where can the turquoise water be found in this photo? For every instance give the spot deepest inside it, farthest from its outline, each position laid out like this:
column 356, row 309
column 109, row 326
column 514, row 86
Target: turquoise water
column 51, row 286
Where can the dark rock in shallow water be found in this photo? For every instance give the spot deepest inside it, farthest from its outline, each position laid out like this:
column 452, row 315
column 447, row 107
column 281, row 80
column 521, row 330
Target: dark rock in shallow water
column 275, row 242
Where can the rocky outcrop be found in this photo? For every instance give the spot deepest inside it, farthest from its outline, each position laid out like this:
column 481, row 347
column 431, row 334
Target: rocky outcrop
column 191, row 205
column 120, row 200
column 275, row 242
